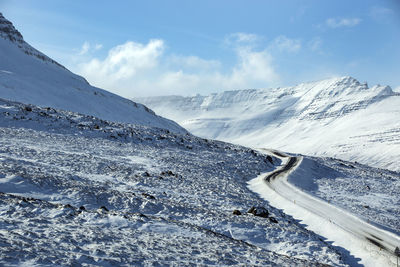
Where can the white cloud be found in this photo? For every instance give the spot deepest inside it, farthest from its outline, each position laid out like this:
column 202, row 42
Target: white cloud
column 134, row 69
column 123, row 62
column 283, row 43
column 342, row 22
column 254, row 66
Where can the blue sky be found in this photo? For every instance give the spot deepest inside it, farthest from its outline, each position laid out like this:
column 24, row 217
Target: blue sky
column 140, row 48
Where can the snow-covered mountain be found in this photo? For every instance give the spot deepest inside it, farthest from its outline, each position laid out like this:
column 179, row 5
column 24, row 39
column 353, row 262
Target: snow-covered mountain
column 28, row 76
column 337, row 117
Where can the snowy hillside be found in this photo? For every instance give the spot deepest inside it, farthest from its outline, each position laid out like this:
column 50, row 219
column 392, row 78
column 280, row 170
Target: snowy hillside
column 338, row 117
column 373, row 194
column 28, row 76
column 77, row 190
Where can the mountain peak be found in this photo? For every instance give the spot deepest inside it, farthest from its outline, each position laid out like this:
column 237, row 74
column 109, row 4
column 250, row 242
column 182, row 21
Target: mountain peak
column 8, row 31
column 349, row 81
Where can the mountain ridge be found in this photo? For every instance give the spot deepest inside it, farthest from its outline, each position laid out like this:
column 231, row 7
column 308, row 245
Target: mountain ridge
column 320, row 118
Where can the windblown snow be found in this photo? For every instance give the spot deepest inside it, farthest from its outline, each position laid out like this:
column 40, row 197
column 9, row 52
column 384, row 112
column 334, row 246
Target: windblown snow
column 28, row 76
column 337, row 117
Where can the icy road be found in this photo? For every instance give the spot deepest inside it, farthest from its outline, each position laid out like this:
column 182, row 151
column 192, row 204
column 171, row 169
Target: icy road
column 368, row 244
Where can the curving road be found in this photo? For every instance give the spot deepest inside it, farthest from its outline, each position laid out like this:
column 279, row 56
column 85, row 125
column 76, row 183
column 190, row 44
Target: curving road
column 376, row 242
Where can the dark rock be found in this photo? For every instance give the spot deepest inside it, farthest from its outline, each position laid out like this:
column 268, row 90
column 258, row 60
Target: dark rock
column 82, row 208
column 170, row 173
column 269, row 158
column 148, row 196
column 236, row 212
column 272, row 219
column 259, row 211
column 28, row 108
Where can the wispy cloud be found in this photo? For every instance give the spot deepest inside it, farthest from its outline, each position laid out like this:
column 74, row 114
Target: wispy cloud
column 285, row 44
column 98, row 46
column 342, row 22
column 315, row 44
column 193, row 63
column 87, row 47
column 381, row 14
column 242, row 38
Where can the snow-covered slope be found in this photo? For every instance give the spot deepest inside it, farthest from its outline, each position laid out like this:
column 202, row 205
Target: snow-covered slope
column 77, row 190
column 28, row 76
column 337, row 117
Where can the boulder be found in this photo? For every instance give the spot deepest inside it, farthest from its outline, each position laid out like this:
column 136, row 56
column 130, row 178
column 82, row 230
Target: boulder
column 272, row 219
column 236, row 212
column 259, row 211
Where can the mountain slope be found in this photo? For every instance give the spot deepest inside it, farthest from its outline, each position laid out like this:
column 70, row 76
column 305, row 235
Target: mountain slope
column 338, row 117
column 28, row 76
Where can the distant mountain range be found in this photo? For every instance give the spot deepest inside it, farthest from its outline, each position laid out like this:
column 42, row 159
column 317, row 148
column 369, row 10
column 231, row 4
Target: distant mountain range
column 337, row 117
column 28, row 76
